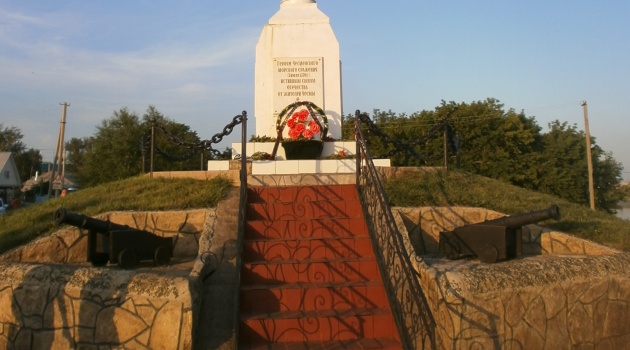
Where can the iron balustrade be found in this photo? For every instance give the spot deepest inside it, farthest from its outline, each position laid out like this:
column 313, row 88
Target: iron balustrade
column 409, row 306
column 242, row 216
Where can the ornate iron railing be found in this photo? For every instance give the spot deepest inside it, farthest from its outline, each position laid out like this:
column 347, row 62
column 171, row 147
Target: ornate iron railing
column 411, row 312
column 242, row 217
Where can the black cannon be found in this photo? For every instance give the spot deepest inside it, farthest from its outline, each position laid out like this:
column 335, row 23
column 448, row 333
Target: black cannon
column 118, row 244
column 492, row 240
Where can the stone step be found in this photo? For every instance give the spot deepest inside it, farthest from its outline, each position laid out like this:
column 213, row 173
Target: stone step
column 304, row 210
column 291, row 194
column 311, row 271
column 307, row 248
column 377, row 343
column 305, row 228
column 271, row 298
column 311, row 326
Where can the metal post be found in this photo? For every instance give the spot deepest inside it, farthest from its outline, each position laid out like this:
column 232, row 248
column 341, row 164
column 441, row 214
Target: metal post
column 589, row 157
column 152, row 146
column 445, row 145
column 357, row 129
column 244, row 149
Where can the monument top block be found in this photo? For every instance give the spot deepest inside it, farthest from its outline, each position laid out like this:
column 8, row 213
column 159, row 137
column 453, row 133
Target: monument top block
column 297, row 59
column 297, row 2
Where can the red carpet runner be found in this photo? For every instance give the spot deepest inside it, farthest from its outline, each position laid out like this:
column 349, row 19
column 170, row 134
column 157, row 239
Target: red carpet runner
column 309, row 278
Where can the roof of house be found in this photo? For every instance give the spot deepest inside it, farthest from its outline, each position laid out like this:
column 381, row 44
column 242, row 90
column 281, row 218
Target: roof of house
column 9, row 176
column 68, row 181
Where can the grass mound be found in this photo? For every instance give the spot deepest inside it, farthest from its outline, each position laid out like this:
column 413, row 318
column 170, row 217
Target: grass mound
column 140, row 193
column 462, row 189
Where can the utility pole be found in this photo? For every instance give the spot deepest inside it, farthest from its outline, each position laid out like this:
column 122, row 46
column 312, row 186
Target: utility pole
column 589, row 157
column 58, row 159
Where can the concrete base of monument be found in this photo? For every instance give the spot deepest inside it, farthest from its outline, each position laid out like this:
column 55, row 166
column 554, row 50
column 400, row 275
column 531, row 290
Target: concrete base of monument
column 290, row 167
column 320, row 166
column 333, row 147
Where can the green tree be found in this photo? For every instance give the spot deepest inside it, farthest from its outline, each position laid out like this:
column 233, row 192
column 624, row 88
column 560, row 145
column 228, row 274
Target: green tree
column 117, row 148
column 11, row 139
column 173, row 144
column 28, row 162
column 113, row 152
column 565, row 169
column 76, row 150
column 497, row 143
column 494, row 142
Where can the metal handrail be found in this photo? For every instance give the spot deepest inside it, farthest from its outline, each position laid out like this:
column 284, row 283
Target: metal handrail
column 411, row 312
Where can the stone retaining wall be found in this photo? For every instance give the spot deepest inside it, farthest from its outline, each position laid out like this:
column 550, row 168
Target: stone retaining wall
column 67, row 307
column 50, row 298
column 563, row 293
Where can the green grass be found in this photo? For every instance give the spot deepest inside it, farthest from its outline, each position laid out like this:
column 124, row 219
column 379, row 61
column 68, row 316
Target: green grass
column 419, row 189
column 140, row 193
column 461, row 189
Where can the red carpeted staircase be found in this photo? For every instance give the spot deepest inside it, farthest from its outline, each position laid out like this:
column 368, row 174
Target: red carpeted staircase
column 309, row 276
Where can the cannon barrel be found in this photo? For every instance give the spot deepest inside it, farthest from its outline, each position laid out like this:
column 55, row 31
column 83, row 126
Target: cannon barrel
column 519, row 220
column 62, row 216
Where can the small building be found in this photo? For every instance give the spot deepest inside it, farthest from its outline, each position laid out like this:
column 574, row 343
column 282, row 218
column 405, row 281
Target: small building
column 9, row 176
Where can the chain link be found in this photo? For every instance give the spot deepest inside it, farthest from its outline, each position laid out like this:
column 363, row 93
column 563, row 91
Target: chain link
column 193, row 148
column 407, row 148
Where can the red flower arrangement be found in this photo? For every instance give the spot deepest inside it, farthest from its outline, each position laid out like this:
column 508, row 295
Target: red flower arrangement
column 300, row 127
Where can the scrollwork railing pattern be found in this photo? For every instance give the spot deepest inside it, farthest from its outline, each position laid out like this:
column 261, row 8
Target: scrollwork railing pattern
column 411, row 312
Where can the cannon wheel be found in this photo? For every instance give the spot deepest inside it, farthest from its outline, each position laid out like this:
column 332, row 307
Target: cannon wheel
column 127, row 259
column 99, row 259
column 488, row 254
column 161, row 256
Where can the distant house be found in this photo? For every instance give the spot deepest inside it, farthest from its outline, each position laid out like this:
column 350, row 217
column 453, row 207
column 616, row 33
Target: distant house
column 9, row 176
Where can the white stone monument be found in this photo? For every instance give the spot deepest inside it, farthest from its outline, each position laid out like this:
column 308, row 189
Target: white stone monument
column 297, row 59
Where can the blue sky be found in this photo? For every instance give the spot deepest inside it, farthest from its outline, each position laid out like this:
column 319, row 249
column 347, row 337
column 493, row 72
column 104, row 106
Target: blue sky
column 194, row 60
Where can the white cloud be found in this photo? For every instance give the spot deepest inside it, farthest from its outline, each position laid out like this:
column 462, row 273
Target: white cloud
column 42, row 64
column 10, row 18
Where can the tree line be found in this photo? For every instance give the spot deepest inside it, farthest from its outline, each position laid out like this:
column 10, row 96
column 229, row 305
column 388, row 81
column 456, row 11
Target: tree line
column 120, row 148
column 483, row 138
column 486, row 139
column 28, row 161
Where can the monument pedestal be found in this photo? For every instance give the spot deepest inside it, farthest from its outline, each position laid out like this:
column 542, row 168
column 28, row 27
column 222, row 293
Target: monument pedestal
column 297, row 167
column 282, row 166
column 316, row 166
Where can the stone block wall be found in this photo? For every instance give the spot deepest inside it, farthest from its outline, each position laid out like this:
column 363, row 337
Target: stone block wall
column 67, row 307
column 568, row 293
column 50, row 298
column 69, row 245
column 426, row 223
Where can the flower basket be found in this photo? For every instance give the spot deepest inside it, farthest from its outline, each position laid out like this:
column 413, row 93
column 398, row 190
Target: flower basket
column 303, row 149
column 307, row 128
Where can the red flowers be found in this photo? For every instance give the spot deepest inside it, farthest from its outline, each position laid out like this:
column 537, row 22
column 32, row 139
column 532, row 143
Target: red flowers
column 300, row 127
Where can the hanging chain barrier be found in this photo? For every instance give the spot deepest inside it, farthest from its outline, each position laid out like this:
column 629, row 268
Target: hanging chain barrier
column 412, row 314
column 407, row 148
column 192, row 148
